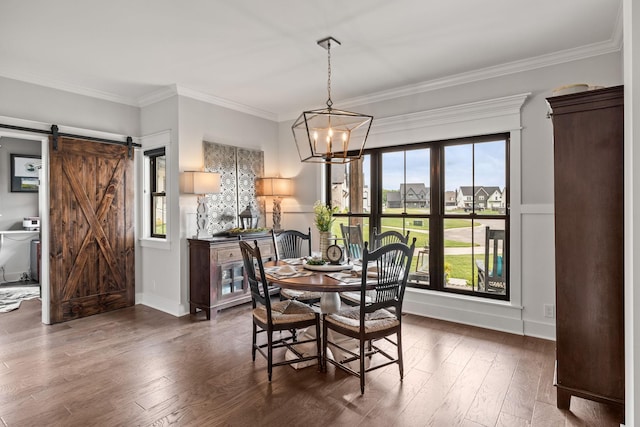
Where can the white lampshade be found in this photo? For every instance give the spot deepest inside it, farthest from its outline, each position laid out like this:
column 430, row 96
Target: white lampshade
column 195, row 182
column 278, row 187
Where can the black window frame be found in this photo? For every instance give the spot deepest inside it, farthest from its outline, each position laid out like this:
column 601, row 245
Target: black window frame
column 153, row 187
column 437, row 213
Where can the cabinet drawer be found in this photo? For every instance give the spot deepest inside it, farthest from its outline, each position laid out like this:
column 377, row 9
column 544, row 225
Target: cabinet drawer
column 229, row 254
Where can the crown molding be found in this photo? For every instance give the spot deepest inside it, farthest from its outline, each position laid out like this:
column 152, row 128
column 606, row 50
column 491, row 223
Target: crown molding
column 157, row 96
column 542, row 61
column 173, row 90
column 221, row 102
column 68, row 87
column 480, row 110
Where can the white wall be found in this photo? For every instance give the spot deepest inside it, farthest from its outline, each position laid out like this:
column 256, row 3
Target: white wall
column 163, row 266
column 200, row 121
column 535, row 173
column 15, row 206
column 158, row 262
column 32, row 102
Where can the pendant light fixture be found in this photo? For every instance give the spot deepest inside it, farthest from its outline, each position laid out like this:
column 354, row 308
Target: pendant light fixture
column 330, row 135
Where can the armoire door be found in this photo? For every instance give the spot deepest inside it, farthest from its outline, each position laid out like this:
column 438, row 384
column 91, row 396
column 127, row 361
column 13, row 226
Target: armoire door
column 92, row 228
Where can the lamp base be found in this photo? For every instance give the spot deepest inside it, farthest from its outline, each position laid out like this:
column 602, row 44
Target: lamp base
column 203, row 234
column 277, row 214
column 202, row 219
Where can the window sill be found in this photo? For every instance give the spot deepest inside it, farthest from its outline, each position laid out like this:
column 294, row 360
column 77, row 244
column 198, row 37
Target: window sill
column 155, row 243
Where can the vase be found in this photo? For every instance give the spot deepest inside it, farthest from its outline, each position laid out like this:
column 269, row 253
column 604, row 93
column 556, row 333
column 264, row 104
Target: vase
column 324, row 243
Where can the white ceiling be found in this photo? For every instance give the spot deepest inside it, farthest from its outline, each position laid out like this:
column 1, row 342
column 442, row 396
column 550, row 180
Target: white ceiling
column 262, row 56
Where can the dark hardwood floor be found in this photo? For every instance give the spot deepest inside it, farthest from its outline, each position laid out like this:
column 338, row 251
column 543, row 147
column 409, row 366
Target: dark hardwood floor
column 139, row 366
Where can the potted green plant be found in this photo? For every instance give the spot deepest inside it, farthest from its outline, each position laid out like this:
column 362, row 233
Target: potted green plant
column 447, row 271
column 323, row 219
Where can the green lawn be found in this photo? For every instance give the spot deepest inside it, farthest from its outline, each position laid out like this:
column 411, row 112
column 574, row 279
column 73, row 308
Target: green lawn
column 461, row 266
column 395, row 223
column 421, row 233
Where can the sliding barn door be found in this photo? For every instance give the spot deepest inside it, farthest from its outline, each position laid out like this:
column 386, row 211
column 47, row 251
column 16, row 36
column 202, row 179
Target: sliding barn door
column 92, row 234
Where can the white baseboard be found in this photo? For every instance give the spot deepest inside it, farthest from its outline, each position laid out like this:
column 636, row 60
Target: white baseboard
column 162, row 304
column 483, row 313
column 546, row 331
column 489, row 314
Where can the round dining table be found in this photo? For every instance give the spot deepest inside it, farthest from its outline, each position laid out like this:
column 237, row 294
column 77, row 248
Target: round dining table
column 329, row 288
column 317, row 281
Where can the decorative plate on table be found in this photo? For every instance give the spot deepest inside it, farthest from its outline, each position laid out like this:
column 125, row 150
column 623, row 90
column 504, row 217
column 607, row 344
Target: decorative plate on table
column 328, row 267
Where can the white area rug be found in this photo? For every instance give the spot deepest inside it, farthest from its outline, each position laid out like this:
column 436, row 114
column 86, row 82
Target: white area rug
column 11, row 297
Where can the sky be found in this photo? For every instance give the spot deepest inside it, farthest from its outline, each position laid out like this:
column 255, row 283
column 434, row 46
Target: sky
column 489, row 166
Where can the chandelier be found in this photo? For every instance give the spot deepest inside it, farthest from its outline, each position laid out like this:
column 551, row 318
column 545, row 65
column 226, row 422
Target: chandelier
column 330, row 135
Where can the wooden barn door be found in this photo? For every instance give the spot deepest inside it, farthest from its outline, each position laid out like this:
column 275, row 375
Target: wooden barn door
column 92, row 233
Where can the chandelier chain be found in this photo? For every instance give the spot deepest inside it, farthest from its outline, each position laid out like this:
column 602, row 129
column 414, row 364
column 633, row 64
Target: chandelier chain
column 329, row 101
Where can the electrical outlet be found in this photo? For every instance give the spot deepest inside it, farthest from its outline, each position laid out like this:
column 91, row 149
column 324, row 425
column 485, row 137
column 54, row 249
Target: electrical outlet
column 549, row 310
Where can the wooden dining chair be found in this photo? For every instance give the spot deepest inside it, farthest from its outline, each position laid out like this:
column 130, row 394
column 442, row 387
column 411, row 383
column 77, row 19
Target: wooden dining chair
column 375, row 321
column 291, row 244
column 389, row 236
column 285, row 316
column 294, row 244
column 352, row 236
column 492, row 271
column 379, row 240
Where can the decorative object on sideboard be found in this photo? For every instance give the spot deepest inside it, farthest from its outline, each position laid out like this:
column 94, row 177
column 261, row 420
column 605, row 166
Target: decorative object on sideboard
column 329, row 135
column 249, row 218
column 201, row 183
column 276, row 188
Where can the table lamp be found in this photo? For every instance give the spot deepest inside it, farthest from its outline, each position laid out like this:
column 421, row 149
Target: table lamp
column 201, row 183
column 276, row 188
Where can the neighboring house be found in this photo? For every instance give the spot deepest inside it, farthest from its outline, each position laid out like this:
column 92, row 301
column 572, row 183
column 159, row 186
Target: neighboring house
column 340, row 197
column 496, row 198
column 450, row 198
column 465, row 197
column 489, row 197
column 393, row 199
column 415, row 195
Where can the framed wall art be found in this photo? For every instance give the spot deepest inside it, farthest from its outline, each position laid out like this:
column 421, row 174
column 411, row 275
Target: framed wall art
column 238, row 168
column 24, row 173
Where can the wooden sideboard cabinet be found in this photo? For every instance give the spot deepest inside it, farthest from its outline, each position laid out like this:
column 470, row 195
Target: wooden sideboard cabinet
column 216, row 273
column 588, row 135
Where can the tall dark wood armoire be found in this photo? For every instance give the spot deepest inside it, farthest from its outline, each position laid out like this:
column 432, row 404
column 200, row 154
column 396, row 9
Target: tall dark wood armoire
column 589, row 231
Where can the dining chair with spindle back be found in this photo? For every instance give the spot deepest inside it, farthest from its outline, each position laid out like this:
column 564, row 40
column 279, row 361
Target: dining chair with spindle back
column 377, row 320
column 269, row 317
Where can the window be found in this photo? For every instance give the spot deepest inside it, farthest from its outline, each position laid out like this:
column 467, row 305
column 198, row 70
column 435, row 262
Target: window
column 450, row 195
column 350, row 193
column 157, row 192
